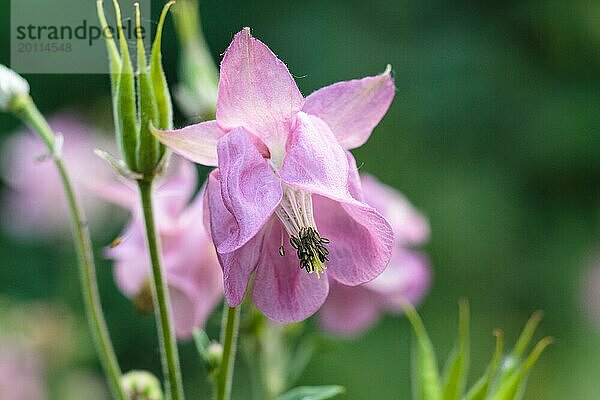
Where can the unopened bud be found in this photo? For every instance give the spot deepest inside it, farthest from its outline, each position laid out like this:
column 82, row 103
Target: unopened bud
column 214, row 355
column 12, row 86
column 141, row 385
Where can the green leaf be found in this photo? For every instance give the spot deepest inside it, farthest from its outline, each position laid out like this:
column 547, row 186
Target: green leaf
column 312, row 393
column 127, row 129
column 455, row 371
column 527, row 334
column 159, row 81
column 147, row 151
column 202, row 342
column 300, row 360
column 481, row 388
column 512, row 386
column 426, row 379
column 512, row 362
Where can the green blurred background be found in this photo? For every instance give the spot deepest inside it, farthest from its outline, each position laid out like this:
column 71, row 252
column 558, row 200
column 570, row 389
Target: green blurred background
column 493, row 134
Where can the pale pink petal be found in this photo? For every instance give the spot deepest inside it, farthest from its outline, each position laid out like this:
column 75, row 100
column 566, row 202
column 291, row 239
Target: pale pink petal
column 256, row 90
column 354, row 181
column 249, row 188
column 361, row 240
column 183, row 306
column 176, row 188
column 352, row 109
column 349, row 310
column 407, row 278
column 410, row 226
column 122, row 193
column 132, row 265
column 239, row 264
column 197, row 143
column 314, row 161
column 282, row 291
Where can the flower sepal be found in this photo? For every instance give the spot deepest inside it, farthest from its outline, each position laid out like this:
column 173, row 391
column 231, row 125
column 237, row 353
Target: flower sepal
column 141, row 98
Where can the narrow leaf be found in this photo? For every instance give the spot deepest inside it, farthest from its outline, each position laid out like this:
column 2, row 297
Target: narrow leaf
column 510, row 388
column 527, row 334
column 455, row 372
column 481, row 388
column 300, row 360
column 512, row 362
column 426, row 382
column 312, row 393
column 202, row 341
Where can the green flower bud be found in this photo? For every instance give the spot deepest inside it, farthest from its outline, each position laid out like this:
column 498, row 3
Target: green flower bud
column 141, row 385
column 214, row 355
column 141, row 100
column 198, row 92
column 12, row 86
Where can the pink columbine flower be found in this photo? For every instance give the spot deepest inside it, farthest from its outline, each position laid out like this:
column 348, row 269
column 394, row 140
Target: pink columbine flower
column 350, row 310
column 34, row 203
column 191, row 267
column 280, row 206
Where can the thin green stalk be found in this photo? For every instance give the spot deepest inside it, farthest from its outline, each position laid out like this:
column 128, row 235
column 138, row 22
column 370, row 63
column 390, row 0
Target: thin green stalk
column 229, row 335
column 162, row 309
column 29, row 113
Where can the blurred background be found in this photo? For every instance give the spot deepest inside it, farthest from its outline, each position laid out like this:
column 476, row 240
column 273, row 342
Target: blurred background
column 493, row 135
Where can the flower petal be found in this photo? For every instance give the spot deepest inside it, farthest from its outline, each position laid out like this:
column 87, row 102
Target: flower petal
column 249, row 189
column 349, row 310
column 352, row 109
column 410, row 226
column 256, row 90
column 407, row 278
column 197, row 143
column 314, row 160
column 183, row 309
column 354, row 181
column 175, row 189
column 282, row 291
column 237, row 265
column 361, row 240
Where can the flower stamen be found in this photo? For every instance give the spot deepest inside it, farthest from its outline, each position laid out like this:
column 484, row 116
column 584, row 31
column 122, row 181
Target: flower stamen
column 296, row 215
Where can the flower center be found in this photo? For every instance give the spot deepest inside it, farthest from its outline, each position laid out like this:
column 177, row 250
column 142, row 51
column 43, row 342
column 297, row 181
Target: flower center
column 296, row 215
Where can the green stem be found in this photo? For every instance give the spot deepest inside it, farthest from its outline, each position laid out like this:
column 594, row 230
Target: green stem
column 29, row 113
column 229, row 335
column 162, row 309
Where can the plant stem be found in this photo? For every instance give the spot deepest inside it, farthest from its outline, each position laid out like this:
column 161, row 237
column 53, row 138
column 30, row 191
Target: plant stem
column 162, row 308
column 29, row 113
column 229, row 336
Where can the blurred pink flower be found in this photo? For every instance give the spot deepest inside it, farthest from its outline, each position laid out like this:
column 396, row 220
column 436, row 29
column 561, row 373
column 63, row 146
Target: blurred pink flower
column 22, row 376
column 34, row 204
column 279, row 201
column 590, row 294
column 350, row 310
column 191, row 267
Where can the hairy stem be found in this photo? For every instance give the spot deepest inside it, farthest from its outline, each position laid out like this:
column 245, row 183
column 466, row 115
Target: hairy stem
column 29, row 113
column 229, row 336
column 162, row 308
